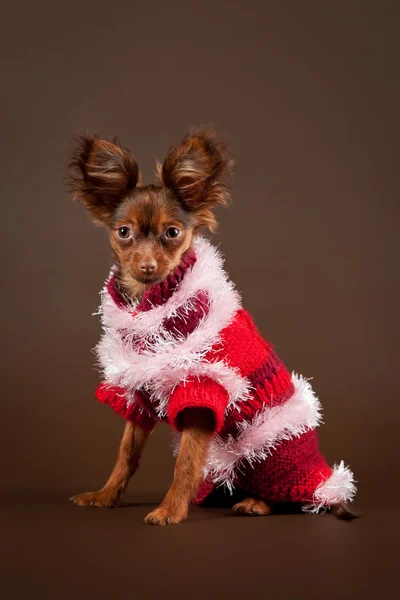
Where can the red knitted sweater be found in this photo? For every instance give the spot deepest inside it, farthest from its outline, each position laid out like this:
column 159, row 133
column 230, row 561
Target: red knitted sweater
column 190, row 343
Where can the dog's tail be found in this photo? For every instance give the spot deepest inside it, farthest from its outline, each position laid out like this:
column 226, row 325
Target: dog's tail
column 341, row 511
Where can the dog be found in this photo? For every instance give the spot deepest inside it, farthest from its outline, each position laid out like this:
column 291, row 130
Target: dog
column 177, row 345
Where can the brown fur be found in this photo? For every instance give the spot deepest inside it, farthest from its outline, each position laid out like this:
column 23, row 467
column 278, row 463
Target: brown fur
column 195, row 172
column 251, row 506
column 102, row 173
column 148, row 213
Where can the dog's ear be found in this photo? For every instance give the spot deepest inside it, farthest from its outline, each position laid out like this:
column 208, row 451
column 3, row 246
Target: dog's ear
column 197, row 172
column 102, row 173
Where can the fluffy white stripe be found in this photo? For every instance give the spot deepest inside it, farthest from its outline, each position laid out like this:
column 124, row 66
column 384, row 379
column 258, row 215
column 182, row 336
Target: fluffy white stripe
column 259, row 437
column 339, row 487
column 167, row 358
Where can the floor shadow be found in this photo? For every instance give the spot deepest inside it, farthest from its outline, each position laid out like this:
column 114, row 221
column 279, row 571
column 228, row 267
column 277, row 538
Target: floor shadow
column 138, row 504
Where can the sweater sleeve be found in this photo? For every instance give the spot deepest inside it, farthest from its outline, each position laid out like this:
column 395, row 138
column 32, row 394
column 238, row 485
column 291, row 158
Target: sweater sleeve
column 198, row 393
column 116, row 398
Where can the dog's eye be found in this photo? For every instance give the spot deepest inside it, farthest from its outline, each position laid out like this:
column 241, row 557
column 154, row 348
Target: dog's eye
column 124, row 232
column 172, row 232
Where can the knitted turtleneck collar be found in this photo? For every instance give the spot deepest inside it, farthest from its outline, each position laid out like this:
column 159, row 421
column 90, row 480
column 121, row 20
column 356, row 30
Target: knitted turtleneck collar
column 158, row 293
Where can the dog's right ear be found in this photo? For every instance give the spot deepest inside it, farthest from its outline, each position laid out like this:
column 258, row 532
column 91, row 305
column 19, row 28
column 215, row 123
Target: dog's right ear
column 102, row 173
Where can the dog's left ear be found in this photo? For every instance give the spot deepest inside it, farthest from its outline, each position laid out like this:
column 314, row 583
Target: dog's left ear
column 198, row 172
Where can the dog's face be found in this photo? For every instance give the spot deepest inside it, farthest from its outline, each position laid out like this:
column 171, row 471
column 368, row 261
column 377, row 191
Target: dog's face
column 151, row 227
column 149, row 233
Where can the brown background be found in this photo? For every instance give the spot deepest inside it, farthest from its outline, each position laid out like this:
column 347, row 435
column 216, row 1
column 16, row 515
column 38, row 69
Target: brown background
column 307, row 95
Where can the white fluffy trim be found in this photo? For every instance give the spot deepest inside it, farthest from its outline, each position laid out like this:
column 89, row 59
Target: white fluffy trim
column 167, row 358
column 207, row 274
column 258, row 438
column 339, row 487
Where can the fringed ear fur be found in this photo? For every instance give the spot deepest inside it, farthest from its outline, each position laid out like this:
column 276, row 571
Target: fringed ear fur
column 102, row 173
column 198, row 173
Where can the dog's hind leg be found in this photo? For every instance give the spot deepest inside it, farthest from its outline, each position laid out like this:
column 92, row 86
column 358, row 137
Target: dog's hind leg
column 251, row 506
column 132, row 444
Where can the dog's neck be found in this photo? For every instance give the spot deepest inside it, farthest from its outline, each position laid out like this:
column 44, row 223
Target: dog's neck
column 129, row 286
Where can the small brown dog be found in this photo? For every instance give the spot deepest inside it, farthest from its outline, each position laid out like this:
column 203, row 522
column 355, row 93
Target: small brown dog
column 152, row 231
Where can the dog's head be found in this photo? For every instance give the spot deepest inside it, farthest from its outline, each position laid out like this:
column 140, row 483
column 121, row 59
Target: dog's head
column 150, row 227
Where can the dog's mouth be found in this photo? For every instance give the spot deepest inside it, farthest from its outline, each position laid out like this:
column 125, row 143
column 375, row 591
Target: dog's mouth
column 149, row 279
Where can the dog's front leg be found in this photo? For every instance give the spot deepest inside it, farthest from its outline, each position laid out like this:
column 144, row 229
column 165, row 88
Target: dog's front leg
column 129, row 453
column 196, row 435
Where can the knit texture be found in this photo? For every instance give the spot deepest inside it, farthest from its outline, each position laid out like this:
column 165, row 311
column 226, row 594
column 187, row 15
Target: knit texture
column 189, row 343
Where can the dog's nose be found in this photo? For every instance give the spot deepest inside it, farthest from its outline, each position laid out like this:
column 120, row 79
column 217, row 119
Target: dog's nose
column 147, row 266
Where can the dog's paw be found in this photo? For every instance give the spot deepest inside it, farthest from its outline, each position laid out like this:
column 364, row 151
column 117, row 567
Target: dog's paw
column 100, row 499
column 164, row 516
column 251, row 506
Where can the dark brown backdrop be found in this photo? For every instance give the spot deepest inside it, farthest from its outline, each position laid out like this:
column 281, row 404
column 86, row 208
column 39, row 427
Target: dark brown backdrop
column 307, row 94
